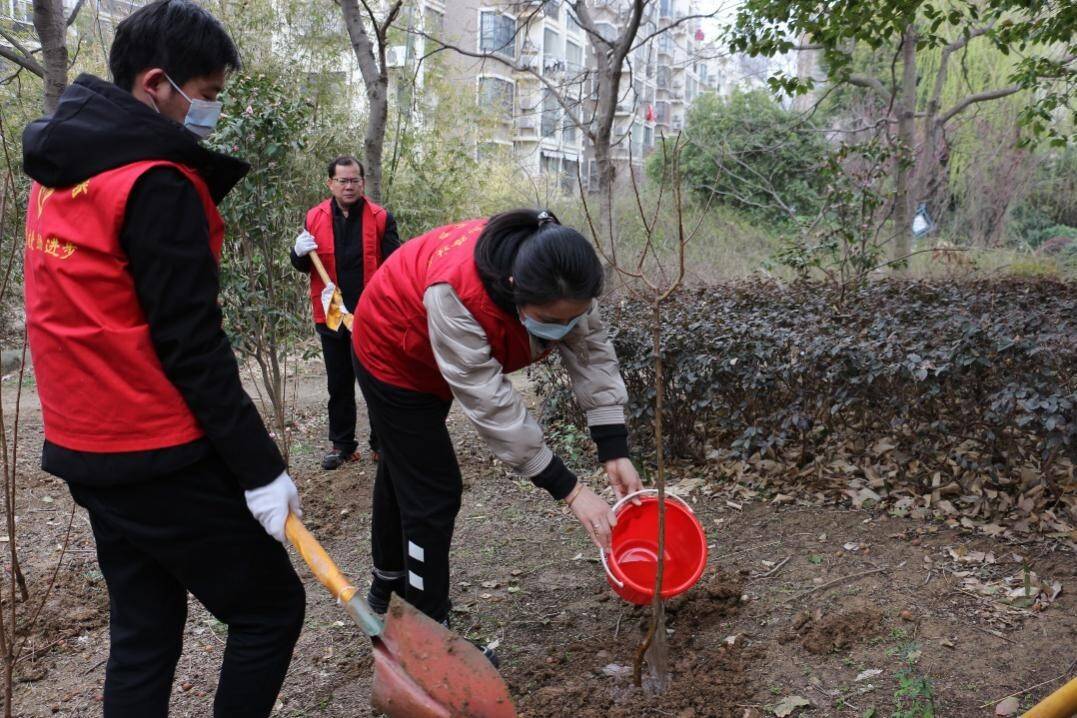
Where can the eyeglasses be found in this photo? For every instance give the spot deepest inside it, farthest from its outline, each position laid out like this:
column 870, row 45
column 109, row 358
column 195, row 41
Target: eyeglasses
column 348, row 182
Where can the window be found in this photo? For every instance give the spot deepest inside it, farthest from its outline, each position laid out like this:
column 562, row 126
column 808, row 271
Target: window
column 569, row 179
column 637, row 141
column 573, row 57
column 569, row 131
column 648, row 138
column 552, row 9
column 434, row 22
column 665, row 8
column 19, row 10
column 551, row 51
column 663, row 77
column 551, row 112
column 573, row 23
column 497, row 94
column 661, row 111
column 550, row 164
column 498, row 34
column 606, row 30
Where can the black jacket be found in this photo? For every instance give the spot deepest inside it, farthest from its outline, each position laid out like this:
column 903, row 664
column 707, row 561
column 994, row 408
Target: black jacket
column 98, row 127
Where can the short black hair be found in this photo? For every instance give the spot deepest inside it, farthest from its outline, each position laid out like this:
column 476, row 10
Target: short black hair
column 176, row 35
column 546, row 261
column 344, row 161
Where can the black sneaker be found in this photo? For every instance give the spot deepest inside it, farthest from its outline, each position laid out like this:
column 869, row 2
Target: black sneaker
column 489, row 653
column 337, row 458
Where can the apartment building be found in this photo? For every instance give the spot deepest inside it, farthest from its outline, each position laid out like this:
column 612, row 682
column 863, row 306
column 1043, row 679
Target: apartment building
column 534, row 115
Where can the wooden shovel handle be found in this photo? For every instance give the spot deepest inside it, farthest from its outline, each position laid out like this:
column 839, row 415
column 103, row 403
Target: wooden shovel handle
column 320, row 564
column 1060, row 704
column 316, row 260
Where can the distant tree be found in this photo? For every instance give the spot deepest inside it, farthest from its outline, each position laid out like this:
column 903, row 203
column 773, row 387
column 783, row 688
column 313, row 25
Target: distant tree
column 749, row 152
column 1044, row 34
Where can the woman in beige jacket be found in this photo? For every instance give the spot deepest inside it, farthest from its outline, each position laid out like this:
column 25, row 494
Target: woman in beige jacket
column 447, row 317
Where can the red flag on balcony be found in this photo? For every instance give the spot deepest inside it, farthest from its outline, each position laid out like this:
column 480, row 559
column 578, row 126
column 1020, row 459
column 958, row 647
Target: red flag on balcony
column 650, row 113
column 699, row 34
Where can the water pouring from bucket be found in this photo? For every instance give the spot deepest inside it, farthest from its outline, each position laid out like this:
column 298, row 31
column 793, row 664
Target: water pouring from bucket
column 632, row 563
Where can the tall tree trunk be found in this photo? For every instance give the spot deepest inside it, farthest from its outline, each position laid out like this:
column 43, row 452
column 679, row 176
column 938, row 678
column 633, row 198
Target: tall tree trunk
column 51, row 27
column 905, row 175
column 370, row 57
column 374, row 141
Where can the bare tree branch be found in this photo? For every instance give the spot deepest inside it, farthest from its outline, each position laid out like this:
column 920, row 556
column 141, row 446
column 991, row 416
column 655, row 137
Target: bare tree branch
column 944, row 59
column 871, row 83
column 24, row 58
column 677, row 23
column 977, row 97
column 554, row 89
column 75, row 13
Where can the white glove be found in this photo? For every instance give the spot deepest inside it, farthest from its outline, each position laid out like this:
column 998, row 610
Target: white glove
column 271, row 503
column 327, row 297
column 305, row 244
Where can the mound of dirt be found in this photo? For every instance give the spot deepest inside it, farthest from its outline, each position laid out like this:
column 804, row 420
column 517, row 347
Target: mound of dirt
column 705, row 684
column 821, row 634
column 717, row 597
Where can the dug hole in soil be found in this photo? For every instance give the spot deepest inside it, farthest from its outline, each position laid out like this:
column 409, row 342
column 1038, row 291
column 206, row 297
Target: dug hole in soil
column 803, row 609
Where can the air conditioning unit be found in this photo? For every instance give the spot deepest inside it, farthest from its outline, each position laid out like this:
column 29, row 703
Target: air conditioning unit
column 526, row 123
column 677, row 125
column 395, row 55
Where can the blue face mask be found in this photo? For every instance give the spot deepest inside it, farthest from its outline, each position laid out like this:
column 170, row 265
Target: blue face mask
column 547, row 330
column 202, row 115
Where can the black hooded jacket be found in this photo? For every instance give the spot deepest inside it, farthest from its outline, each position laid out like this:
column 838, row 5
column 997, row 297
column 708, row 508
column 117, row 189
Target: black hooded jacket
column 97, row 127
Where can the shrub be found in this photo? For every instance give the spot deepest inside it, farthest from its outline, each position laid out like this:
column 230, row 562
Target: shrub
column 762, row 368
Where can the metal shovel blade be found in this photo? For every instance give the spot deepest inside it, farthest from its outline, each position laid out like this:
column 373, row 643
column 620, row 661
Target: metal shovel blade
column 420, row 653
column 421, row 668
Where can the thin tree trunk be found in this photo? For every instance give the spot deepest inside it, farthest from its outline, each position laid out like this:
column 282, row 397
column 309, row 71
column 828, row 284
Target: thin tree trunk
column 660, row 672
column 370, row 54
column 374, row 141
column 51, row 27
column 904, row 179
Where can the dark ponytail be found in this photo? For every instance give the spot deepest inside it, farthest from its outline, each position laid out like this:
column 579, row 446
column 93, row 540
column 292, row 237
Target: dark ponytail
column 546, row 260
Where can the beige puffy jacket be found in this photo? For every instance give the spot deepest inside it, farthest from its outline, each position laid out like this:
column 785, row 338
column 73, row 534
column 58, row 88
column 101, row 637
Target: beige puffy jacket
column 487, row 396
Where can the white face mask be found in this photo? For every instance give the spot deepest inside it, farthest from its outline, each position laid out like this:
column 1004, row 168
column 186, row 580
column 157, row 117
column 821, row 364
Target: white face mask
column 202, row 115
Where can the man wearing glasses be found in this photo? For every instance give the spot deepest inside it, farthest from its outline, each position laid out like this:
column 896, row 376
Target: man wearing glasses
column 352, row 237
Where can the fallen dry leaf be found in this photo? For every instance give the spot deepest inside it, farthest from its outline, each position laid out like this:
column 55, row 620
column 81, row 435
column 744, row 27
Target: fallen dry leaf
column 788, row 705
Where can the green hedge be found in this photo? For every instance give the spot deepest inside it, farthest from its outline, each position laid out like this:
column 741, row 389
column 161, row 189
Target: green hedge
column 758, row 368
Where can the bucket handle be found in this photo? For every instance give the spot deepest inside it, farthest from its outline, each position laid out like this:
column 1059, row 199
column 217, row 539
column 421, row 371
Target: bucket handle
column 641, row 492
column 609, row 574
column 619, row 504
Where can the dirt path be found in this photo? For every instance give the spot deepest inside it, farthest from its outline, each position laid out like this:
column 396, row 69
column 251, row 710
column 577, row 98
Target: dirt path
column 796, row 601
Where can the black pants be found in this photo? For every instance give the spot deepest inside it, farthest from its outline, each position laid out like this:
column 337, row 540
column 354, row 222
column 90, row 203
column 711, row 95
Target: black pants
column 416, row 493
column 340, row 381
column 191, row 531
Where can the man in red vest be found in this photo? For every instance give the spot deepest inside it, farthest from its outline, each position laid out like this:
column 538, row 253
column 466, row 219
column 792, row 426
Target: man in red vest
column 144, row 414
column 352, row 236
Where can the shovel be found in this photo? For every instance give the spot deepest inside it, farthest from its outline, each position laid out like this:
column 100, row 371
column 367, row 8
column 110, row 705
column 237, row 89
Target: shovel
column 421, row 668
column 335, row 314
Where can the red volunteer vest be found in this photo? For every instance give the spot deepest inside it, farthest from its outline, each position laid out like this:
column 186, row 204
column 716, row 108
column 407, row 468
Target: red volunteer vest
column 391, row 337
column 320, row 224
column 101, row 385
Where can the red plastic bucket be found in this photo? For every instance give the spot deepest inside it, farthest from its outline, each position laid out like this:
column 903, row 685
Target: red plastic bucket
column 632, row 563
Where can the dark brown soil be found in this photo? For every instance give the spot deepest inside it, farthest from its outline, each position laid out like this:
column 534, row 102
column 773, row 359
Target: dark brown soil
column 839, row 631
column 784, row 609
